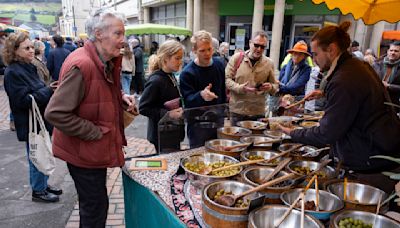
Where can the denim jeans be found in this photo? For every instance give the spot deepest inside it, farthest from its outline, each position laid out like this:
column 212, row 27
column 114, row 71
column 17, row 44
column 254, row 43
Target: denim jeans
column 37, row 179
column 11, row 117
column 126, row 80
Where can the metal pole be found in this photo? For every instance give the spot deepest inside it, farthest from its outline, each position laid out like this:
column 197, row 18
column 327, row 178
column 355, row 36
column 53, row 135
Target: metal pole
column 73, row 16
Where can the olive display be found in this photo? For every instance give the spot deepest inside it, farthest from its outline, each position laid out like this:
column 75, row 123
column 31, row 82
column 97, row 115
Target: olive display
column 240, row 203
column 198, row 166
column 306, row 170
column 257, row 157
column 353, row 223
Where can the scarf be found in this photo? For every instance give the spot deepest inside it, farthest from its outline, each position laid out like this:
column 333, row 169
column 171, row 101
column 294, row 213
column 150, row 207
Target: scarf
column 394, row 65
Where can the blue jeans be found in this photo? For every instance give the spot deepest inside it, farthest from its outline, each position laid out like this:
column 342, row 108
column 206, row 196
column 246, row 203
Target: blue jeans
column 126, row 80
column 37, row 179
column 11, row 117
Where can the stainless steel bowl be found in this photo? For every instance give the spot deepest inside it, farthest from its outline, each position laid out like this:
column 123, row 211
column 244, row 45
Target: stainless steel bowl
column 267, row 215
column 328, row 202
column 254, row 175
column 252, row 125
column 329, row 171
column 274, row 134
column 199, row 180
column 304, row 150
column 259, row 140
column 366, row 217
column 358, row 193
column 234, row 187
column 215, row 144
column 245, row 156
column 232, row 132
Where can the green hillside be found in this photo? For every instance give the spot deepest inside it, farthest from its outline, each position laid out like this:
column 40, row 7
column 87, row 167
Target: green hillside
column 45, row 13
column 49, row 7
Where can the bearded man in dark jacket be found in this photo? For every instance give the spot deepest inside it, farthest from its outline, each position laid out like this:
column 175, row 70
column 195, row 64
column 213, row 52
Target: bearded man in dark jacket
column 357, row 124
column 389, row 72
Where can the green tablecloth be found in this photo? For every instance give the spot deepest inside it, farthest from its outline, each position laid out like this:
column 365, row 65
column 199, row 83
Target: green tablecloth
column 144, row 209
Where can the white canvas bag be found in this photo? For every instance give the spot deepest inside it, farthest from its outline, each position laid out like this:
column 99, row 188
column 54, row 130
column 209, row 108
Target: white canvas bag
column 40, row 151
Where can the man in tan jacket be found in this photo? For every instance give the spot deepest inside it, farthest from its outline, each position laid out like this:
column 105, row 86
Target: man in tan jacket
column 249, row 76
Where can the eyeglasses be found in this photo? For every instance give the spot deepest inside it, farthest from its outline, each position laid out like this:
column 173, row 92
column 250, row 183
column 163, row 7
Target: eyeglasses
column 259, row 46
column 27, row 48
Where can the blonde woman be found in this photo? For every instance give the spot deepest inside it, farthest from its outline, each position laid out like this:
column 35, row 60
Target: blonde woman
column 162, row 87
column 128, row 68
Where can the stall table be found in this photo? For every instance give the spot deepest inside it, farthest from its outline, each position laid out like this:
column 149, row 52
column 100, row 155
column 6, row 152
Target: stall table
column 148, row 197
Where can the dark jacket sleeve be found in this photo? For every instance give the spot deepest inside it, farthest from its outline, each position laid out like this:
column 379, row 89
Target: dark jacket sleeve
column 61, row 110
column 339, row 116
column 299, row 84
column 50, row 63
column 148, row 105
column 20, row 92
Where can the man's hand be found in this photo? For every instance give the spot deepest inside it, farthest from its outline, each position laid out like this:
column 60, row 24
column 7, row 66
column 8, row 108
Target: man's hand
column 285, row 130
column 207, row 95
column 265, row 87
column 249, row 89
column 385, row 84
column 316, row 94
column 130, row 101
column 176, row 113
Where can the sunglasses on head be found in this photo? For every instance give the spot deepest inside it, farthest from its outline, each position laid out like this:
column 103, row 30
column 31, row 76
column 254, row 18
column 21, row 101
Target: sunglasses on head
column 259, row 46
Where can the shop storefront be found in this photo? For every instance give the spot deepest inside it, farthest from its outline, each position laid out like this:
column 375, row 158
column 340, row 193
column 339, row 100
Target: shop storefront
column 302, row 19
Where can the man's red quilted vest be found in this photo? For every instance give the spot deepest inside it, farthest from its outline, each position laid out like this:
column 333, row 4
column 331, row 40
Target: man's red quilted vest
column 101, row 106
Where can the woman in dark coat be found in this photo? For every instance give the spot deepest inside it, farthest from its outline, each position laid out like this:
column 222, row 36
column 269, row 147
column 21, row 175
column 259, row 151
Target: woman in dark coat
column 161, row 88
column 21, row 80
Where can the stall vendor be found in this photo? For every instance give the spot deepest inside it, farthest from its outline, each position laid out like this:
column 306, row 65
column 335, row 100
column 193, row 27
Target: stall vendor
column 357, row 124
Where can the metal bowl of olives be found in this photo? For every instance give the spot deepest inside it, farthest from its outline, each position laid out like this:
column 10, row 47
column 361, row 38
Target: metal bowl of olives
column 260, row 154
column 268, row 215
column 303, row 153
column 306, row 167
column 234, row 133
column 259, row 141
column 352, row 218
column 194, row 164
column 257, row 127
column 255, row 175
column 358, row 193
column 274, row 134
column 219, row 146
column 228, row 187
column 328, row 202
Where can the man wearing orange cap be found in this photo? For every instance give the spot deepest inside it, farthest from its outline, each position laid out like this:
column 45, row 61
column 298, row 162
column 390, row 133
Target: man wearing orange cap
column 295, row 74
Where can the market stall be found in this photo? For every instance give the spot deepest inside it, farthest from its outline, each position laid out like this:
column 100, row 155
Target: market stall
column 176, row 189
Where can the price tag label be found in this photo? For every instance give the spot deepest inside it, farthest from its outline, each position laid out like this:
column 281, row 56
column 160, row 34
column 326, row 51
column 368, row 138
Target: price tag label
column 148, row 164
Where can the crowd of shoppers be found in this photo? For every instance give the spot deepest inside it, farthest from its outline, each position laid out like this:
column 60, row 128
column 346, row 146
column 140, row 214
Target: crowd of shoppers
column 89, row 130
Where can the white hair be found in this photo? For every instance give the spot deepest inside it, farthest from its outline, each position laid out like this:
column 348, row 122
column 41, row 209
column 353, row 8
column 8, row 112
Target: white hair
column 99, row 21
column 215, row 44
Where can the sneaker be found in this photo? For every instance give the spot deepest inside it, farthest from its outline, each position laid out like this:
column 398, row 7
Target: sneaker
column 12, row 126
column 44, row 196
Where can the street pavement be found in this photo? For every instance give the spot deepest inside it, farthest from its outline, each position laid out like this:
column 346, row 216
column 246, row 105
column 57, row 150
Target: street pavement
column 16, row 206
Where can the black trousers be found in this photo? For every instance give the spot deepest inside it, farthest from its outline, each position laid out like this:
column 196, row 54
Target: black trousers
column 138, row 82
column 92, row 194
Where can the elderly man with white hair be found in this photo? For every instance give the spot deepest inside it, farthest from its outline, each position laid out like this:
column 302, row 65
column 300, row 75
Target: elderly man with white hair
column 86, row 111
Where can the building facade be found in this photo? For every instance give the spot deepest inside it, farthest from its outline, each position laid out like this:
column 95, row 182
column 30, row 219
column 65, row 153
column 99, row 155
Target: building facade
column 74, row 15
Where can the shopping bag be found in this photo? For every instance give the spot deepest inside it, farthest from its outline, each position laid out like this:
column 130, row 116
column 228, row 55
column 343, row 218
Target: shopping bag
column 40, row 150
